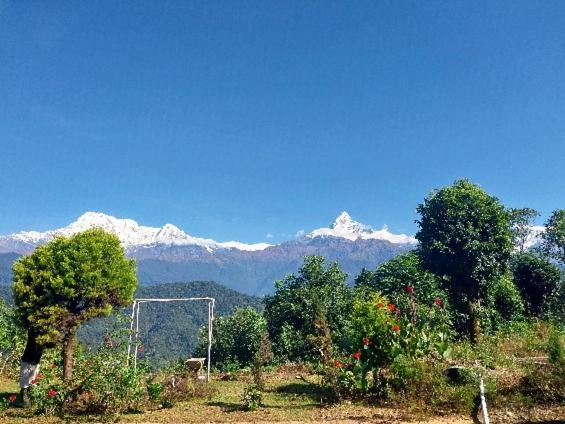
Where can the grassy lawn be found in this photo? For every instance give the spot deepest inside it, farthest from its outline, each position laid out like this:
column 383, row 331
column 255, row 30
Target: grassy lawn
column 287, row 398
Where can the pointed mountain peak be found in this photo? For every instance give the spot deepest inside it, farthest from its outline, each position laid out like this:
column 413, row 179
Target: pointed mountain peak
column 345, row 227
column 343, row 219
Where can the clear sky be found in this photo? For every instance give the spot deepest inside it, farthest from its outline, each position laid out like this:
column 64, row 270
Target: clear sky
column 235, row 119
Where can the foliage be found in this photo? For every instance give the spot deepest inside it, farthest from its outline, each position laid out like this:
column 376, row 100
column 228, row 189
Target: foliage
column 236, row 338
column 68, row 281
column 464, row 237
column 521, row 221
column 179, row 323
column 381, row 333
column 554, row 236
column 12, row 338
column 556, row 347
column 252, row 398
column 502, row 303
column 105, row 384
column 393, row 278
column 318, row 289
column 48, row 391
column 537, row 279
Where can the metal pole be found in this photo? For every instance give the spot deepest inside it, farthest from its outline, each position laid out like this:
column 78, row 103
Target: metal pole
column 484, row 402
column 131, row 329
column 136, row 335
column 209, row 340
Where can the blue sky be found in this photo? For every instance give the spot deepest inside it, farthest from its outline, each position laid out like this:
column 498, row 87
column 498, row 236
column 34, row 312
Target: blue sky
column 234, row 119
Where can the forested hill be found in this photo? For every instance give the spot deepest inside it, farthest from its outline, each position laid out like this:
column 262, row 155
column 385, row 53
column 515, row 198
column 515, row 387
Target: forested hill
column 169, row 330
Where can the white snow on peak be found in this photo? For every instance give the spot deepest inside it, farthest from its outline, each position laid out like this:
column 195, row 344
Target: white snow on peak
column 131, row 234
column 345, row 227
column 243, row 246
column 534, row 238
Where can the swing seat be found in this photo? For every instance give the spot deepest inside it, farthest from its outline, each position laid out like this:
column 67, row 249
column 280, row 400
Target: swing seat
column 195, row 364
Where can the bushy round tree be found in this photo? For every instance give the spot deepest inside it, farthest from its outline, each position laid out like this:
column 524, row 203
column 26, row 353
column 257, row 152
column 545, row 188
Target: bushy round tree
column 65, row 283
column 403, row 273
column 319, row 291
column 236, row 338
column 537, row 279
column 465, row 238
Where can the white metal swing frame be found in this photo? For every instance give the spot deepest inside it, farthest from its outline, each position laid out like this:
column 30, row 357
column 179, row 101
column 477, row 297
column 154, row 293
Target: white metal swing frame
column 135, row 320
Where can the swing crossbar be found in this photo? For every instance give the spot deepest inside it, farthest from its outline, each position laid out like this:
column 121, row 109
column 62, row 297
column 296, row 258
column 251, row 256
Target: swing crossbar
column 135, row 319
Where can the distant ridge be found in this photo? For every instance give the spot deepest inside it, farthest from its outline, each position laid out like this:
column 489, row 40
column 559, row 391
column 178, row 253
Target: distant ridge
column 170, row 254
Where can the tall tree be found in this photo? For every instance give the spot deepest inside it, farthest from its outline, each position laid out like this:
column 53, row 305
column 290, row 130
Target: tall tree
column 554, row 236
column 65, row 283
column 537, row 279
column 521, row 222
column 464, row 237
column 319, row 290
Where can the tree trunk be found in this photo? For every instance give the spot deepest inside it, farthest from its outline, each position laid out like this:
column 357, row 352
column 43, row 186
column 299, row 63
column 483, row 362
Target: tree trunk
column 29, row 367
column 474, row 322
column 69, row 344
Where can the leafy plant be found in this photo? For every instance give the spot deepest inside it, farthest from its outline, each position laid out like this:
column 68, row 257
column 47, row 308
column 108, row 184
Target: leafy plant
column 252, row 398
column 236, row 339
column 319, row 288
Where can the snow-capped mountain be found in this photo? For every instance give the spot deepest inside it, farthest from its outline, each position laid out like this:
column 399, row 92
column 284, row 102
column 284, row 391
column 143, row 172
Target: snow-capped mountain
column 131, row 234
column 169, row 254
column 347, row 228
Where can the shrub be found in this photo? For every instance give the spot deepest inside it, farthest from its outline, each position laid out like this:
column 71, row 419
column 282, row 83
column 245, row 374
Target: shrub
column 252, row 398
column 105, row 384
column 236, row 339
column 537, row 279
column 381, row 334
column 556, row 348
column 318, row 289
column 12, row 339
column 502, row 304
column 394, row 276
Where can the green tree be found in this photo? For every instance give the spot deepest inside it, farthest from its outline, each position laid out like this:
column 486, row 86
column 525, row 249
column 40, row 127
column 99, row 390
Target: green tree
column 12, row 337
column 537, row 279
column 521, row 221
column 401, row 274
column 236, row 338
column 554, row 236
column 464, row 237
column 67, row 282
column 319, row 290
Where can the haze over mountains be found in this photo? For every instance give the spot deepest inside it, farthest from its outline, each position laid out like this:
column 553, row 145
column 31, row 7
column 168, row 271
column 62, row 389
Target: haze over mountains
column 169, row 254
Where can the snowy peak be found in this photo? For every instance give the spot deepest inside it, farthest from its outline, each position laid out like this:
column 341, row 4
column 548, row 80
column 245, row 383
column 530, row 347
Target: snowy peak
column 131, row 234
column 345, row 227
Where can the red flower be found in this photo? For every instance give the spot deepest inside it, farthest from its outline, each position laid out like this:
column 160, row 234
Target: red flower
column 379, row 305
column 409, row 289
column 53, row 366
column 437, row 301
column 52, row 393
column 395, row 328
column 391, row 307
column 12, row 398
column 141, row 349
column 357, row 355
column 338, row 364
column 366, row 341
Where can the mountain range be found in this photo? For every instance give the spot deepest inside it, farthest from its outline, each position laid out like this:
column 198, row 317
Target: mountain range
column 169, row 254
